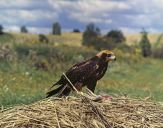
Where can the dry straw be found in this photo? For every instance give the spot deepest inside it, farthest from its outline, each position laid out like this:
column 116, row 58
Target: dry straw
column 72, row 112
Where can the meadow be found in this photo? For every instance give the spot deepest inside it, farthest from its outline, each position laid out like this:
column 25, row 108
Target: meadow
column 29, row 67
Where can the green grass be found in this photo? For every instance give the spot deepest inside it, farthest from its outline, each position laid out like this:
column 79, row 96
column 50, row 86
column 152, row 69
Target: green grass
column 139, row 79
column 21, row 83
column 6, row 38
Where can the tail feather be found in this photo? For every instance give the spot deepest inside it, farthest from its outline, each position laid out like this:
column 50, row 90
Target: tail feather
column 60, row 82
column 60, row 91
column 55, row 91
column 54, row 85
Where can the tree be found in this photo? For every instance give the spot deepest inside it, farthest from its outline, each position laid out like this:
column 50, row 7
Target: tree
column 23, row 29
column 43, row 38
column 91, row 34
column 56, row 29
column 1, row 29
column 145, row 44
column 76, row 30
column 115, row 36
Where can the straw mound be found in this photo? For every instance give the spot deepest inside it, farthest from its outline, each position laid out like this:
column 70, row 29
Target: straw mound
column 73, row 112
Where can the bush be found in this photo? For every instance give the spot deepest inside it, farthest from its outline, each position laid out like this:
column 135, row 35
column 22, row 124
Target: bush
column 90, row 34
column 41, row 50
column 115, row 36
column 50, row 58
column 23, row 29
column 93, row 38
column 43, row 38
column 6, row 53
column 42, row 64
column 1, row 29
column 56, row 30
column 76, row 30
column 158, row 52
column 101, row 44
column 145, row 44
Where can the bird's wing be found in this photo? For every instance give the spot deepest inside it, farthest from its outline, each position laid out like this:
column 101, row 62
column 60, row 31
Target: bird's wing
column 81, row 71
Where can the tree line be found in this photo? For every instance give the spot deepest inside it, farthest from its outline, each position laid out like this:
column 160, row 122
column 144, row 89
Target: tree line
column 92, row 37
column 113, row 39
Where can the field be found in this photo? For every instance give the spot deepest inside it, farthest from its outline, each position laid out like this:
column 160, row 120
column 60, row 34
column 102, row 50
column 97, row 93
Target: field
column 29, row 67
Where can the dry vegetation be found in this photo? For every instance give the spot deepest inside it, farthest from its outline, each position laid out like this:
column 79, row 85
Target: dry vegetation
column 133, row 39
column 120, row 112
column 69, row 39
column 74, row 39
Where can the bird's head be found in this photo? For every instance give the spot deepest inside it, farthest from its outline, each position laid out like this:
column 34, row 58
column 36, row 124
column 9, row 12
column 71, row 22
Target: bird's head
column 106, row 55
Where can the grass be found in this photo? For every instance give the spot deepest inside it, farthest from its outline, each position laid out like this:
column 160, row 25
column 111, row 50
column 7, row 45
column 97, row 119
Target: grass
column 142, row 80
column 21, row 83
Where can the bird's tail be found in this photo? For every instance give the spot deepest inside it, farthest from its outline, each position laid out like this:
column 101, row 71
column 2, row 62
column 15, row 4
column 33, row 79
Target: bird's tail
column 60, row 82
column 60, row 91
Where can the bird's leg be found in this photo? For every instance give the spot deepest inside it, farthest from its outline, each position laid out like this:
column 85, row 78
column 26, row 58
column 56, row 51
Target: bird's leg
column 90, row 94
column 107, row 98
column 78, row 86
column 104, row 98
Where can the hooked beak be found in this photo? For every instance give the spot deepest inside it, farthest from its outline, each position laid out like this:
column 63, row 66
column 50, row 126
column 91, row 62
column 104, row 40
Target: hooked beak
column 111, row 58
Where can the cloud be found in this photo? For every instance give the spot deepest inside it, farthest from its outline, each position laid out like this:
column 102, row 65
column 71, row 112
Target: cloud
column 29, row 18
column 36, row 30
column 130, row 15
column 89, row 11
column 15, row 3
column 31, row 13
column 12, row 28
column 23, row 4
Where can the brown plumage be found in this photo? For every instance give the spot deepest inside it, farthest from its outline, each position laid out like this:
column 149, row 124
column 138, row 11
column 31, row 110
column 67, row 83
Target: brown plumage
column 86, row 73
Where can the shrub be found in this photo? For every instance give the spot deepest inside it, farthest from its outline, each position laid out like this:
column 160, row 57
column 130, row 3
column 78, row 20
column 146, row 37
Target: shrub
column 90, row 34
column 76, row 30
column 115, row 36
column 23, row 29
column 41, row 50
column 158, row 52
column 41, row 64
column 145, row 44
column 93, row 38
column 56, row 30
column 1, row 29
column 43, row 38
column 6, row 53
column 45, row 57
column 101, row 44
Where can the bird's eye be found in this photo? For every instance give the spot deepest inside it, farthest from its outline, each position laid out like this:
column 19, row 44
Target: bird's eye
column 109, row 55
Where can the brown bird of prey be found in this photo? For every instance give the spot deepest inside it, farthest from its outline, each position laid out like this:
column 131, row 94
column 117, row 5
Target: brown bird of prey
column 85, row 73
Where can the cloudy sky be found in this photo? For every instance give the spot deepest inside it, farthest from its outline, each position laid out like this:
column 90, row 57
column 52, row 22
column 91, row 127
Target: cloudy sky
column 38, row 15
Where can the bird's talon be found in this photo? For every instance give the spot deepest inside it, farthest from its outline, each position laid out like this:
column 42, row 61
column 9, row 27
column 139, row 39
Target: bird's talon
column 107, row 98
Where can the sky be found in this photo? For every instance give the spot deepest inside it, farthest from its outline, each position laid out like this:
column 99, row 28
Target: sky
column 38, row 15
